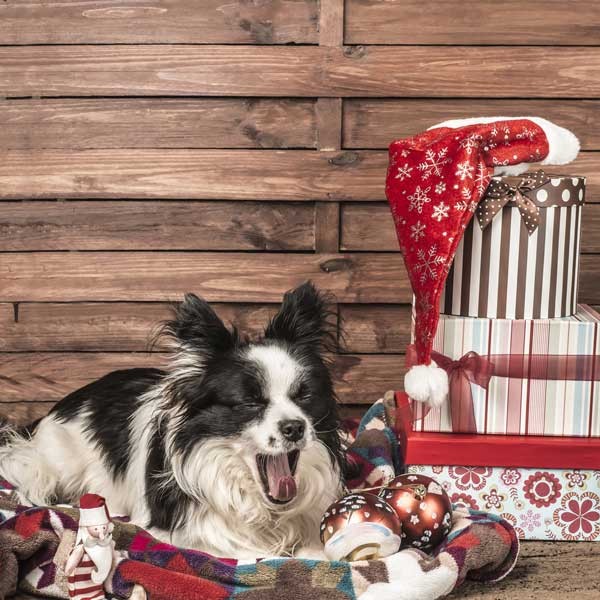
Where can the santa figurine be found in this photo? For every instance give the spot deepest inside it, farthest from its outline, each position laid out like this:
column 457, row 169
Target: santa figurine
column 93, row 556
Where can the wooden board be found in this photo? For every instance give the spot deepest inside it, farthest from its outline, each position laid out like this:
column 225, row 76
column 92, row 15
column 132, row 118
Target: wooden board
column 209, row 174
column 200, row 174
column 408, row 71
column 369, row 227
column 108, row 327
column 459, row 22
column 376, row 329
column 23, row 413
column 589, row 276
column 78, row 123
column 40, row 376
column 374, row 123
column 157, row 226
column 159, row 21
column 218, row 276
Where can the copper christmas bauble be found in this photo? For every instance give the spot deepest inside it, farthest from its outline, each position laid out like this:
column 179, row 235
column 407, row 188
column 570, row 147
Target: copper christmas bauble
column 360, row 526
column 423, row 508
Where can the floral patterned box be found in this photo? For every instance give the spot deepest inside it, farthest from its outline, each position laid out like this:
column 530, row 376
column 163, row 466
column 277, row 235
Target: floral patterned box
column 542, row 504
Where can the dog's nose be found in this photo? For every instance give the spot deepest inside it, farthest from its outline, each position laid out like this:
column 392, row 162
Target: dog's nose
column 292, row 429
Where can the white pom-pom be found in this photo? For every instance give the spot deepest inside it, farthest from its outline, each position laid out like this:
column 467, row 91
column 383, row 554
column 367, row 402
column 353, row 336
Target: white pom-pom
column 427, row 383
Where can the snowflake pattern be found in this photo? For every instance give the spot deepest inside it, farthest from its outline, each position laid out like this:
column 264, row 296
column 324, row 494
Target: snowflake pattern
column 419, row 199
column 482, row 178
column 428, row 264
column 433, row 163
column 404, row 172
column 464, row 171
column 470, row 142
column 526, row 134
column 440, row 211
column 424, row 304
column 431, row 179
column 417, row 231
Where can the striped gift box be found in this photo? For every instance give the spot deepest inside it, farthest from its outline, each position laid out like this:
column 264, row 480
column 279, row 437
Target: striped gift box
column 522, row 405
column 502, row 271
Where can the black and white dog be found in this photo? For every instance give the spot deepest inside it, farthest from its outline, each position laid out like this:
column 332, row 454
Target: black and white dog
column 234, row 449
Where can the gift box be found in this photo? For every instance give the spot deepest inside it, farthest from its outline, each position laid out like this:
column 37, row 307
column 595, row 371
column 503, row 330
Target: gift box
column 519, row 377
column 541, row 504
column 519, row 257
column 548, row 488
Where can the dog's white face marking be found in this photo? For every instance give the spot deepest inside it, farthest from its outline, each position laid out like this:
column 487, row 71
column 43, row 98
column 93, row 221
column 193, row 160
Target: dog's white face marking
column 282, row 374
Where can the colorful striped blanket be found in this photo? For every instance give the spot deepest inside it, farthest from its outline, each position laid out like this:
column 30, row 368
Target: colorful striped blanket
column 35, row 542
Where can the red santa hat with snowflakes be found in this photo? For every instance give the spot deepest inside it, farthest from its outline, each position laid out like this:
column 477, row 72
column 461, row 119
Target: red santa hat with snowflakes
column 434, row 182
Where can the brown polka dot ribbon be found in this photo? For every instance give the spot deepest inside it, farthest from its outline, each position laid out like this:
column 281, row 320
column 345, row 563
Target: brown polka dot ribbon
column 499, row 193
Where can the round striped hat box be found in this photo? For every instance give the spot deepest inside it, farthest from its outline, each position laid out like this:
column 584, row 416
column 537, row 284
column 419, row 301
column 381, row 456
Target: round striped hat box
column 503, row 271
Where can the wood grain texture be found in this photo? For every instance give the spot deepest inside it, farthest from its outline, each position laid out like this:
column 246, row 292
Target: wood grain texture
column 376, row 329
column 45, row 377
column 472, row 22
column 374, row 123
column 329, row 123
column 107, row 327
column 219, row 277
column 157, row 226
column 80, row 123
column 159, row 21
column 589, row 276
column 408, row 71
column 23, row 413
column 40, row 376
column 327, row 227
column 549, row 570
column 199, row 174
column 369, row 227
column 209, row 174
column 331, row 22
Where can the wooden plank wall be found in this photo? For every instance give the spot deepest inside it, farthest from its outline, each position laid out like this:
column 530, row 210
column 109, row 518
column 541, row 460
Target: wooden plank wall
column 235, row 148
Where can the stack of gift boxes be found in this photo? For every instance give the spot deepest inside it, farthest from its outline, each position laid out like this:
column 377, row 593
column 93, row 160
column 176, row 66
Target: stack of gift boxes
column 519, row 433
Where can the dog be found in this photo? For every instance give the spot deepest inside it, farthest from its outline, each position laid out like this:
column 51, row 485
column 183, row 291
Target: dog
column 234, row 449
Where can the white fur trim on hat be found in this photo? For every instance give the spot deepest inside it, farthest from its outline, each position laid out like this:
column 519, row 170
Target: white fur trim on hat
column 90, row 517
column 427, row 383
column 563, row 144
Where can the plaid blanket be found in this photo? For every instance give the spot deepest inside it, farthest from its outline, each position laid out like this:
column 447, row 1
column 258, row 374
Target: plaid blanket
column 35, row 542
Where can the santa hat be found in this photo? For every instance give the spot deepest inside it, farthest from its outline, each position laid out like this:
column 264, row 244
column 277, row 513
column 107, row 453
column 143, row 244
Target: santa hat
column 93, row 511
column 434, row 183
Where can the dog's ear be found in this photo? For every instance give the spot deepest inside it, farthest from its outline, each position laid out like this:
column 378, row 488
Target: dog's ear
column 197, row 327
column 304, row 319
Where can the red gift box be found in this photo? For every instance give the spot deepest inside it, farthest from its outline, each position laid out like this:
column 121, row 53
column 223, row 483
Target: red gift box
column 548, row 488
column 432, row 448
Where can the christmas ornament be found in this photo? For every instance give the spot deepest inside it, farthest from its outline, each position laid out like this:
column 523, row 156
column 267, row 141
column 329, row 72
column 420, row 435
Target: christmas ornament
column 423, row 507
column 360, row 526
column 93, row 556
column 434, row 183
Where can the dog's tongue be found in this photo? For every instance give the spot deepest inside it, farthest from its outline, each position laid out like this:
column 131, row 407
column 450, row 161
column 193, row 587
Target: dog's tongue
column 282, row 485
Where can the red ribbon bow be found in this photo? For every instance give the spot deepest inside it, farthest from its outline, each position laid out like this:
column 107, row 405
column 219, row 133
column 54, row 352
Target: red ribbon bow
column 473, row 368
column 470, row 368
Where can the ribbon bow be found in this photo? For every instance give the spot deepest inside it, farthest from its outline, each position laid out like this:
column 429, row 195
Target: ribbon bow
column 470, row 368
column 499, row 193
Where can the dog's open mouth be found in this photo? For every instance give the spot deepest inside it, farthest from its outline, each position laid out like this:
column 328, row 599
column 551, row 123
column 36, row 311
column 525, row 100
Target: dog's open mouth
column 277, row 475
